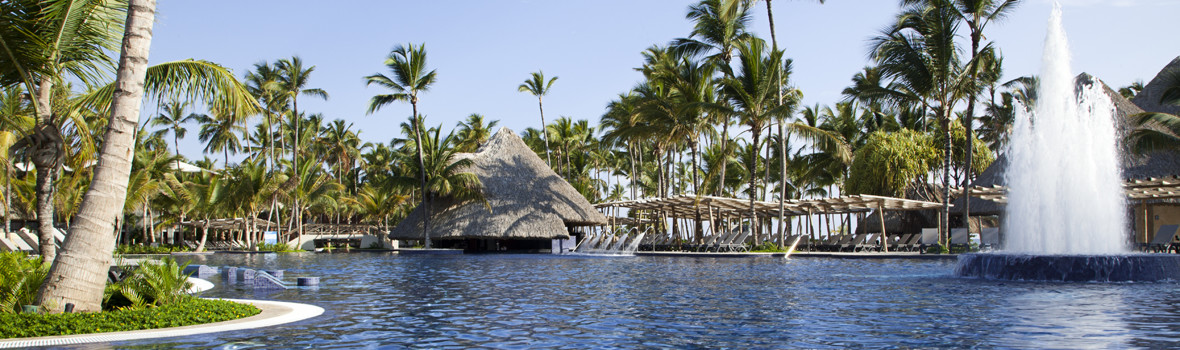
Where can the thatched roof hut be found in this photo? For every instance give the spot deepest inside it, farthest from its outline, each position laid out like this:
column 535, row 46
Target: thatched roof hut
column 1149, row 98
column 527, row 200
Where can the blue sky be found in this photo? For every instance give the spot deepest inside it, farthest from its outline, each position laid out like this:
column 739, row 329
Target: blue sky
column 483, row 50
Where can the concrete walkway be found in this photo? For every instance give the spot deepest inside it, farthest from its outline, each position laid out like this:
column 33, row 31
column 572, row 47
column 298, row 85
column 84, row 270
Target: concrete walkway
column 273, row 313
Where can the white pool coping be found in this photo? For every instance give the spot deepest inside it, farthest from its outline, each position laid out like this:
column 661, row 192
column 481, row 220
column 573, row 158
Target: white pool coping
column 273, row 313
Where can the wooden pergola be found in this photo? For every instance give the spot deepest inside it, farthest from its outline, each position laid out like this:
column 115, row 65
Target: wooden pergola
column 712, row 209
column 227, row 224
column 338, row 229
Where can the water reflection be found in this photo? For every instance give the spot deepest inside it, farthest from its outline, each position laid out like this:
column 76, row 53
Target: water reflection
column 539, row 301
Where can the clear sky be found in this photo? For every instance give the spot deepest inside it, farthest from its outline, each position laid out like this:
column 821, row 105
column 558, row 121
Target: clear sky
column 483, row 50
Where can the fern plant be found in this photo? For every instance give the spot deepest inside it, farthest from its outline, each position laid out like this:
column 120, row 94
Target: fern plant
column 20, row 277
column 152, row 283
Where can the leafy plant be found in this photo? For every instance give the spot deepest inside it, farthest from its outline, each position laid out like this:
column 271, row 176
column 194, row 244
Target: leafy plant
column 145, row 249
column 277, row 247
column 20, row 277
column 187, row 310
column 152, row 283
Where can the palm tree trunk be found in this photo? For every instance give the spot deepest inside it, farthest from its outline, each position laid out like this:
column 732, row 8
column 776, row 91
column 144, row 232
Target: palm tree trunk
column 753, row 187
column 724, row 157
column 544, row 131
column 946, row 178
column 968, row 122
column 45, row 193
column 422, row 171
column 698, row 231
column 204, row 236
column 78, row 275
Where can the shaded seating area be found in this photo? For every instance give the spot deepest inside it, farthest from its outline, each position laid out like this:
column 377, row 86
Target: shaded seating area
column 729, row 224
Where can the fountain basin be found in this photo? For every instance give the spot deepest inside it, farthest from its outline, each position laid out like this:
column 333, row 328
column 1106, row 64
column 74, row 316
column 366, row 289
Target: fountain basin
column 1070, row 268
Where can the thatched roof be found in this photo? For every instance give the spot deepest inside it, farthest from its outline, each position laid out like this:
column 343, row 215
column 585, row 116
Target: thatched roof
column 527, row 199
column 1149, row 98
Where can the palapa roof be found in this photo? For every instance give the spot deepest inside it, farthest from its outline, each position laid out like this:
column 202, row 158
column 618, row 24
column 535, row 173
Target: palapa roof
column 1149, row 98
column 527, row 199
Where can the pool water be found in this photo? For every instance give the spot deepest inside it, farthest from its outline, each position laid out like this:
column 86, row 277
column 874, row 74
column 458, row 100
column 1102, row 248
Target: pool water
column 383, row 300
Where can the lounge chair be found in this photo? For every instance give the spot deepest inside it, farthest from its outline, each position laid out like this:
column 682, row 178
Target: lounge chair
column 898, row 243
column 738, row 243
column 960, row 239
column 929, row 238
column 840, row 242
column 868, row 244
column 1162, row 241
column 852, row 244
column 989, row 238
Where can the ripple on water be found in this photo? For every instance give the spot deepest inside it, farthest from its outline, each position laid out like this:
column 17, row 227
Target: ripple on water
column 541, row 301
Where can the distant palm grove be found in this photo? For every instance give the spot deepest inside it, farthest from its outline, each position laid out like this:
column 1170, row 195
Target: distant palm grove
column 715, row 114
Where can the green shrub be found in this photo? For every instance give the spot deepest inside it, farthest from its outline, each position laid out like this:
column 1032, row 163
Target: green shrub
column 20, row 277
column 186, row 311
column 152, row 283
column 277, row 247
column 147, row 249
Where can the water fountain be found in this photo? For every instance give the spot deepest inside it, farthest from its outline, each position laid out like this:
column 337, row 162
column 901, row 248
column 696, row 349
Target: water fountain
column 1066, row 214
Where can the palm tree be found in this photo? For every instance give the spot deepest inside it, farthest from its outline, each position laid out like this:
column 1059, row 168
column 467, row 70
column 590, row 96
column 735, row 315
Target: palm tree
column 977, row 14
column 539, row 87
column 173, row 119
column 445, row 174
column 220, row 134
column 292, row 82
column 15, row 117
column 264, row 83
column 752, row 93
column 341, row 147
column 75, row 277
column 719, row 26
column 921, row 57
column 408, row 64
column 474, row 132
column 46, row 44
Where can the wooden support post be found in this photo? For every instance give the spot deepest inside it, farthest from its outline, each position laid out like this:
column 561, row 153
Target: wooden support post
column 1146, row 221
column 881, row 216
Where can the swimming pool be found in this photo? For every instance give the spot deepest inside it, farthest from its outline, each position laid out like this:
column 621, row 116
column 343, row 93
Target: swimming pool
column 546, row 301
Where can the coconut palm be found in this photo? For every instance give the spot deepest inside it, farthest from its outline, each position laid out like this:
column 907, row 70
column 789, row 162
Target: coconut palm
column 539, row 87
column 341, row 147
column 920, row 55
column 220, row 133
column 752, row 92
column 173, row 120
column 45, row 44
column 445, row 174
column 75, row 277
column 976, row 14
column 16, row 117
column 264, row 83
column 474, row 132
column 408, row 64
column 292, row 82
